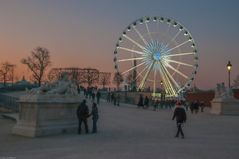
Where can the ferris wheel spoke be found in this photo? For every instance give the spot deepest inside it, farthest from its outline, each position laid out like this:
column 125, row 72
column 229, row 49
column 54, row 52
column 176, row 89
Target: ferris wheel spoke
column 169, row 85
column 176, row 46
column 166, row 83
column 146, row 76
column 177, row 62
column 171, row 77
column 130, row 59
column 132, row 68
column 131, row 50
column 180, row 73
column 155, row 71
column 180, row 54
column 173, row 38
column 142, row 72
column 140, row 35
column 133, row 41
column 168, row 28
column 147, row 27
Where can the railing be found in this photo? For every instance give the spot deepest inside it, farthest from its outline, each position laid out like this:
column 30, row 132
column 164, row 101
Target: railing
column 9, row 102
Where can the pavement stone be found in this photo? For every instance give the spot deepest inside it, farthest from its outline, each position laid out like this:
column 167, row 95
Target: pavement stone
column 126, row 132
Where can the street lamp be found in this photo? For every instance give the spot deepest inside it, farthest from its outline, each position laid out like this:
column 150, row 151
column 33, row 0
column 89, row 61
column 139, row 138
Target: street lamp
column 229, row 67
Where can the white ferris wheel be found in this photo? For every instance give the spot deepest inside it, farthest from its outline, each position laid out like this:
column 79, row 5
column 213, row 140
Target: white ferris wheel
column 161, row 53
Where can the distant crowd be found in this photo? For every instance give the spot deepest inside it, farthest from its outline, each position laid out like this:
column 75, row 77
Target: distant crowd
column 179, row 106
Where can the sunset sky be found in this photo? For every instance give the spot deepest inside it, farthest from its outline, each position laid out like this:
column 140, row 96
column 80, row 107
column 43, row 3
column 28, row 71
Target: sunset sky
column 83, row 33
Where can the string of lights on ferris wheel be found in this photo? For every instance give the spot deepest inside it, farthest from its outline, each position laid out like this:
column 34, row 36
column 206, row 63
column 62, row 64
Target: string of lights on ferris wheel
column 158, row 54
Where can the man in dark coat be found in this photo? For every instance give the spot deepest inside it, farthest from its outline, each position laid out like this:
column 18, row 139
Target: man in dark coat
column 83, row 114
column 141, row 101
column 181, row 117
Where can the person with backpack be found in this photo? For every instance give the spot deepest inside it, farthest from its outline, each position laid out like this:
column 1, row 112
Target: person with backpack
column 82, row 115
column 181, row 117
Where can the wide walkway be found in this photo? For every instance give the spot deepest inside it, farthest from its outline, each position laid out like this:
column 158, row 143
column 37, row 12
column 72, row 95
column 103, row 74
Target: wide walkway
column 127, row 132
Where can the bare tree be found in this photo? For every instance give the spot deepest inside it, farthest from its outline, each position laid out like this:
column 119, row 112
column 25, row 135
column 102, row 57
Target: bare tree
column 38, row 62
column 7, row 72
column 236, row 82
column 104, row 78
column 54, row 74
column 118, row 79
column 89, row 76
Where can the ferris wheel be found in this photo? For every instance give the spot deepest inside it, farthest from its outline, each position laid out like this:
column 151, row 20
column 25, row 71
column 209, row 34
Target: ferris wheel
column 160, row 53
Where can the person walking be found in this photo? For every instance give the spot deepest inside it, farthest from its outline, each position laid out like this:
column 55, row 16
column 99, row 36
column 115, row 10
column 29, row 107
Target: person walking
column 98, row 95
column 202, row 106
column 93, row 96
column 118, row 99
column 141, row 101
column 181, row 118
column 82, row 115
column 146, row 102
column 95, row 117
column 108, row 97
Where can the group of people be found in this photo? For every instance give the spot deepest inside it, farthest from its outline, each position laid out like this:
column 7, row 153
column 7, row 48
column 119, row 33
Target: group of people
column 195, row 105
column 83, row 114
column 92, row 93
column 143, row 102
column 113, row 97
column 180, row 108
column 167, row 104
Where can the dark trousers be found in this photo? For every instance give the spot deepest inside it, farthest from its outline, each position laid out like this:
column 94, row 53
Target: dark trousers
column 180, row 130
column 94, row 130
column 85, row 123
column 98, row 100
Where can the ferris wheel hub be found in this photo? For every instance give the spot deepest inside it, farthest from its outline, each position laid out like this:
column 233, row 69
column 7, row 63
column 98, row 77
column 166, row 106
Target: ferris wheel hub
column 157, row 56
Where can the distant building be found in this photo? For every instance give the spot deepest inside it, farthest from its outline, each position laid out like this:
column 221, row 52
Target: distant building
column 23, row 82
column 18, row 86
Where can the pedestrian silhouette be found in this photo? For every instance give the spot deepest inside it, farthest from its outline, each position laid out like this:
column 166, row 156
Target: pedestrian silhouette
column 95, row 117
column 141, row 101
column 83, row 114
column 98, row 95
column 181, row 118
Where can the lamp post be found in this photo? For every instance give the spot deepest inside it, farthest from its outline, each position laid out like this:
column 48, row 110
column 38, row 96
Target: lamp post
column 229, row 67
column 162, row 91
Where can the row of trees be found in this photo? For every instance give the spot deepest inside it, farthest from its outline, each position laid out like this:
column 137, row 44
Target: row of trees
column 39, row 61
column 7, row 72
column 82, row 76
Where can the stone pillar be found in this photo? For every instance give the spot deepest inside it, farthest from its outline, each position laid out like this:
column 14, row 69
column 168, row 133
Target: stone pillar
column 225, row 106
column 42, row 115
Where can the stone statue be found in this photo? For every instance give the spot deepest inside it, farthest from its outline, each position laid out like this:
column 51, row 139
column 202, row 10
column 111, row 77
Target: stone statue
column 222, row 92
column 62, row 86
